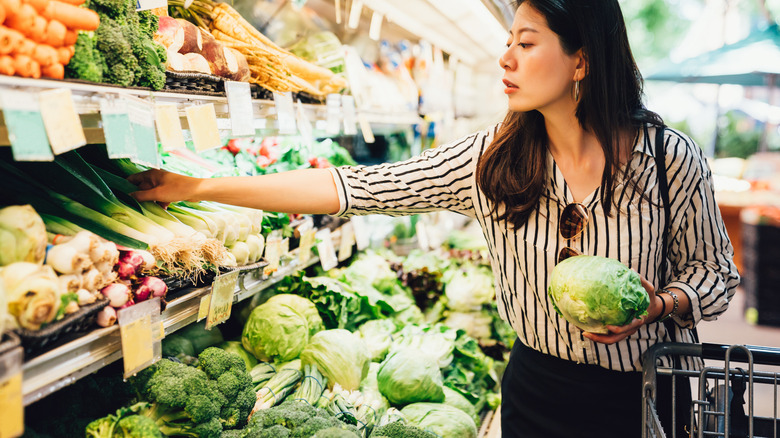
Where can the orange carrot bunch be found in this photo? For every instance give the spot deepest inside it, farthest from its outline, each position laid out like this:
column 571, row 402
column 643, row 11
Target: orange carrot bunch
column 37, row 37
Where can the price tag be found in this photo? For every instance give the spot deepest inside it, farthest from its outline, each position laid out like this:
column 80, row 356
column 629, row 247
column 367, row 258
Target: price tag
column 203, row 309
column 285, row 247
column 169, row 126
column 354, row 14
column 202, row 120
column 326, row 250
column 242, row 117
column 117, row 129
column 63, row 125
column 347, row 241
column 222, row 291
column 362, row 236
column 422, row 236
column 273, row 251
column 304, row 125
column 285, row 112
column 365, row 128
column 139, row 327
column 26, row 131
column 350, row 121
column 142, row 121
column 11, row 406
column 306, row 244
column 333, row 115
column 375, row 29
column 142, row 5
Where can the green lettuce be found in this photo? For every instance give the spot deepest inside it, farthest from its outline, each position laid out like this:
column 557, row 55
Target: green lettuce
column 410, row 375
column 592, row 292
column 340, row 355
column 443, row 420
column 279, row 328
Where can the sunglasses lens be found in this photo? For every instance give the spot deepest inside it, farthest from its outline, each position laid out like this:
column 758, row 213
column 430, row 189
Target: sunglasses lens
column 567, row 252
column 573, row 220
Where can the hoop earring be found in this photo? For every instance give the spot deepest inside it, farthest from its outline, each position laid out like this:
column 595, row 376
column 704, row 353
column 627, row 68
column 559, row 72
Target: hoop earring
column 577, row 90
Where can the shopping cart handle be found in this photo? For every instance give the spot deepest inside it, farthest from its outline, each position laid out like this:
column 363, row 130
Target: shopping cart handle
column 762, row 355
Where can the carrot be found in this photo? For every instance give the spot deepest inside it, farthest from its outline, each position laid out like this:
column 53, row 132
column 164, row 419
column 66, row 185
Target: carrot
column 25, row 47
column 9, row 40
column 55, row 34
column 2, row 13
column 23, row 20
column 54, row 71
column 38, row 32
column 73, row 17
column 11, row 7
column 65, row 53
column 70, row 37
column 26, row 67
column 73, row 2
column 7, row 65
column 39, row 5
column 45, row 55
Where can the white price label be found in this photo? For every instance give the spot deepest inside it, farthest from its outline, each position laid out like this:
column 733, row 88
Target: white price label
column 333, row 117
column 202, row 120
column 347, row 241
column 139, row 327
column 365, row 128
column 362, row 235
column 169, row 126
column 304, row 125
column 242, row 117
column 350, row 118
column 285, row 112
column 63, row 125
column 326, row 250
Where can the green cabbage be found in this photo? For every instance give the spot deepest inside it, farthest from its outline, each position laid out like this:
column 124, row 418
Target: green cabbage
column 279, row 328
column 443, row 420
column 457, row 400
column 468, row 287
column 377, row 334
column 410, row 375
column 592, row 292
column 340, row 356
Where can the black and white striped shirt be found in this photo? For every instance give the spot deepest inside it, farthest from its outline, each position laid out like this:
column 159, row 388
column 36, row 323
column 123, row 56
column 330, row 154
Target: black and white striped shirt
column 700, row 253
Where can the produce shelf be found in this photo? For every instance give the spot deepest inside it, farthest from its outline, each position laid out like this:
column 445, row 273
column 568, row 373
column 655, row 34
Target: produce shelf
column 87, row 97
column 64, row 365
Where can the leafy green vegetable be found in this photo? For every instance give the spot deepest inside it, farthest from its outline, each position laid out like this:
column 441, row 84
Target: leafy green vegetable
column 457, row 400
column 378, row 336
column 443, row 420
column 341, row 356
column 592, row 292
column 281, row 327
column 468, row 287
column 236, row 348
column 410, row 375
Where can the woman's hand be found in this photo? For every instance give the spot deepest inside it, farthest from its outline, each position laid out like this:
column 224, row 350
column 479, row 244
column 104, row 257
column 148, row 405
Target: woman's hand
column 164, row 187
column 618, row 333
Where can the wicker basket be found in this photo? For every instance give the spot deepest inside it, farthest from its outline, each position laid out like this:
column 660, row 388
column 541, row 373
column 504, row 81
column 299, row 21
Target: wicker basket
column 194, row 83
column 38, row 341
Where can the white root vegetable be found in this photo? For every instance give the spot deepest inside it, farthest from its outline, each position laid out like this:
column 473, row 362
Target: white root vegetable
column 66, row 259
column 106, row 317
column 86, row 297
column 70, row 283
column 92, row 280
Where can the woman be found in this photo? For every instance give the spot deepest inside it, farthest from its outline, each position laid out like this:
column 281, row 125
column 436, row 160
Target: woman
column 577, row 149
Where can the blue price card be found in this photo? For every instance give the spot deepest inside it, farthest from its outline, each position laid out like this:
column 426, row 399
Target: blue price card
column 26, row 130
column 117, row 129
column 142, row 122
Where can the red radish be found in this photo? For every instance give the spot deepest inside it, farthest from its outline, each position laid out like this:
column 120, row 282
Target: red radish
column 157, row 287
column 106, row 317
column 129, row 303
column 170, row 34
column 118, row 294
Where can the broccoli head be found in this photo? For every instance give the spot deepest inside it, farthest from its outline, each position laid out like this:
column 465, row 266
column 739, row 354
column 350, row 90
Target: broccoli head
column 233, row 433
column 233, row 381
column 136, row 426
column 336, row 432
column 399, row 429
column 277, row 431
column 87, row 63
column 102, row 427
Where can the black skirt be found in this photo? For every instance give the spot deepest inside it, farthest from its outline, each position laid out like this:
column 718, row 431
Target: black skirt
column 545, row 396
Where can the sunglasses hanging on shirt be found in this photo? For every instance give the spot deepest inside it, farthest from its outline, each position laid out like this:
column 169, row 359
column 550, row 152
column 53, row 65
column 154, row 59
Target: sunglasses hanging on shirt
column 572, row 223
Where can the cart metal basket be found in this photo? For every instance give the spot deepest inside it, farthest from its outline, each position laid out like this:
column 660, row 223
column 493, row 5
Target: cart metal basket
column 723, row 392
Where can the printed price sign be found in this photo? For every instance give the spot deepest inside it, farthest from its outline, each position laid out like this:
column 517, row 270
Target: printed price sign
column 203, row 309
column 365, row 128
column 422, row 236
column 362, row 236
column 142, row 121
column 117, row 129
column 273, row 251
column 169, row 126
column 63, row 125
column 285, row 112
column 326, row 250
column 11, row 406
column 26, row 131
column 139, row 327
column 333, row 116
column 242, row 117
column 306, row 244
column 304, row 125
column 222, row 291
column 347, row 241
column 350, row 121
column 202, row 120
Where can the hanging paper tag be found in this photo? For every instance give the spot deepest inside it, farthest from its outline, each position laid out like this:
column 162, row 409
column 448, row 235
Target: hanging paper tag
column 169, row 126
column 350, row 121
column 242, row 117
column 422, row 236
column 285, row 247
column 202, row 120
column 362, row 235
column 222, row 291
column 304, row 125
column 139, row 327
column 354, row 14
column 203, row 308
column 11, row 400
column 338, row 11
column 285, row 112
column 347, row 241
column 333, row 116
column 117, row 129
column 375, row 30
column 26, row 130
column 273, row 251
column 142, row 5
column 142, row 121
column 63, row 125
column 365, row 128
column 325, row 248
column 306, row 244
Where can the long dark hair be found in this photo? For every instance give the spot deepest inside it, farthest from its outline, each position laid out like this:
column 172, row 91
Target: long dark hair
column 512, row 172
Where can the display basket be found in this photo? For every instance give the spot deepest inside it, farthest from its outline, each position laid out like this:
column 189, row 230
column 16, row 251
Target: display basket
column 37, row 341
column 760, row 276
column 8, row 341
column 194, row 83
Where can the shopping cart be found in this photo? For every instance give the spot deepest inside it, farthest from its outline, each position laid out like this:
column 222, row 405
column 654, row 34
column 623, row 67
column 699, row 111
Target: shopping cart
column 717, row 409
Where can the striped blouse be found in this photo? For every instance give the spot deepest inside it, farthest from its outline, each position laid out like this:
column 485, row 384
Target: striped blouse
column 700, row 253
